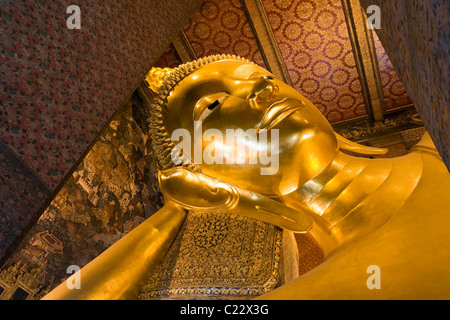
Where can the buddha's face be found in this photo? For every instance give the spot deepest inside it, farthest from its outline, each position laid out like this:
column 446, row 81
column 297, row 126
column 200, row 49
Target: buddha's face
column 231, row 95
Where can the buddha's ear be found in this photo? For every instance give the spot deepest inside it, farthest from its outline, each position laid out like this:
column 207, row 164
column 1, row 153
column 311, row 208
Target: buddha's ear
column 197, row 191
column 347, row 145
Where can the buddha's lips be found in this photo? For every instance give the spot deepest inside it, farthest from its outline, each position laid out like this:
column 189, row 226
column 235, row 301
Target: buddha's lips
column 279, row 111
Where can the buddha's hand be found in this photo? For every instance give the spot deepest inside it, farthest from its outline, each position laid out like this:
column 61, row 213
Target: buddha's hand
column 200, row 192
column 196, row 191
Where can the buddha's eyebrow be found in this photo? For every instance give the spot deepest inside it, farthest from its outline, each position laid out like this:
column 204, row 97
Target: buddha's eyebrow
column 255, row 73
column 260, row 73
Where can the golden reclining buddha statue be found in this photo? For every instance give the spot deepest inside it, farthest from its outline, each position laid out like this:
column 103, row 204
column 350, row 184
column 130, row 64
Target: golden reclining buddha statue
column 363, row 211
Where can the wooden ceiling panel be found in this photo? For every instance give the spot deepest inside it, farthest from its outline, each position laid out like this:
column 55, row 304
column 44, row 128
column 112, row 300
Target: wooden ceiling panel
column 314, row 41
column 310, row 44
column 395, row 95
column 220, row 26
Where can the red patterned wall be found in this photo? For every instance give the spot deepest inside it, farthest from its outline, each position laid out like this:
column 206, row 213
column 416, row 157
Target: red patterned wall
column 220, row 26
column 59, row 87
column 314, row 41
column 395, row 95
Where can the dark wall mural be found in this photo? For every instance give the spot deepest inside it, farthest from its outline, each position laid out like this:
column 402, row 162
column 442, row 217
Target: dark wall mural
column 112, row 191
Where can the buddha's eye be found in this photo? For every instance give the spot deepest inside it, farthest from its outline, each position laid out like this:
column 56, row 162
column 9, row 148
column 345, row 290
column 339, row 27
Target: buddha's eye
column 213, row 105
column 207, row 104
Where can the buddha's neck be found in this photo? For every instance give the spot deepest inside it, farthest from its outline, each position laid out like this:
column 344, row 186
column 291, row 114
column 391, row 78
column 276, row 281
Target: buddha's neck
column 355, row 195
column 324, row 189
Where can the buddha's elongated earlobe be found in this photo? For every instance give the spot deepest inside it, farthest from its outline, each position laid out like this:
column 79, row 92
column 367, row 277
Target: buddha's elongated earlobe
column 347, row 145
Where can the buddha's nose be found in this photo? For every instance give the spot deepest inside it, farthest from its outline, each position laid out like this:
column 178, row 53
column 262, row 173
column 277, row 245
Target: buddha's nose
column 264, row 90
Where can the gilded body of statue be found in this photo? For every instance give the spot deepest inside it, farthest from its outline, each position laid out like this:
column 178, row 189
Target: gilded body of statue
column 390, row 213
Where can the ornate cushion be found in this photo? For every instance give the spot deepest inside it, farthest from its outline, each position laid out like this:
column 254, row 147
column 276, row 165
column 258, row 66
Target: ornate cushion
column 219, row 256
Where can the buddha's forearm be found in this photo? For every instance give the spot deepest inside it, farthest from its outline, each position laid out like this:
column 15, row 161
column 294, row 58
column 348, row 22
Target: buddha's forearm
column 119, row 272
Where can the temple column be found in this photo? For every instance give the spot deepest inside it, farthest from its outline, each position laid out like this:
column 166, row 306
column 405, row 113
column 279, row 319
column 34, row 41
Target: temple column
column 415, row 36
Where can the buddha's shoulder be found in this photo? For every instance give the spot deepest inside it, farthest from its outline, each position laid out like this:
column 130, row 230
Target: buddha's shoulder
column 434, row 183
column 432, row 161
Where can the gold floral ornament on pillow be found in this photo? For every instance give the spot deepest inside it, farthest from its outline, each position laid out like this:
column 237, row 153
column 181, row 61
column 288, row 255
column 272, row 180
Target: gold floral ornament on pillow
column 219, row 256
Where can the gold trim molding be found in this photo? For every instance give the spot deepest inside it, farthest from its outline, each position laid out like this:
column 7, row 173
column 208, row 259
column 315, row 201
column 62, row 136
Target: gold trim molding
column 257, row 18
column 365, row 58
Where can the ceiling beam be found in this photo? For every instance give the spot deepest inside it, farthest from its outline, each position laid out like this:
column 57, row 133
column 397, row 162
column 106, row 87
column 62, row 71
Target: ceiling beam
column 257, row 18
column 183, row 47
column 361, row 38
